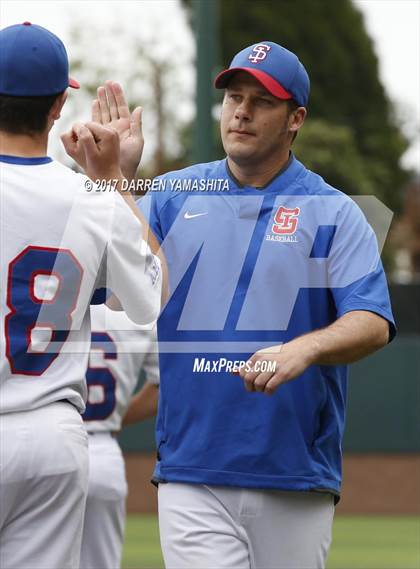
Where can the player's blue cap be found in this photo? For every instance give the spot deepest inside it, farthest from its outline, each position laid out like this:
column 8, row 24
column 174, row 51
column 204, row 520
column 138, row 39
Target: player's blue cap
column 33, row 62
column 275, row 67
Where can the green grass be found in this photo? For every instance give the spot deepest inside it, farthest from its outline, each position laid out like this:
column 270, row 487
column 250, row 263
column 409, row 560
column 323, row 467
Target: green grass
column 367, row 542
column 142, row 547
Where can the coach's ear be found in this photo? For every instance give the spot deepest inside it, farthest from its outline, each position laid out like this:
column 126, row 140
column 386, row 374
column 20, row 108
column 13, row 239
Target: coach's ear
column 55, row 111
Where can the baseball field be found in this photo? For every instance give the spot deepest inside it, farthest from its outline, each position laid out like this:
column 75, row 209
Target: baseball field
column 368, row 542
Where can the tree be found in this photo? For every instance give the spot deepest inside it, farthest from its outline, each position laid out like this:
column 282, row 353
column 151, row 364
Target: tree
column 333, row 153
column 346, row 93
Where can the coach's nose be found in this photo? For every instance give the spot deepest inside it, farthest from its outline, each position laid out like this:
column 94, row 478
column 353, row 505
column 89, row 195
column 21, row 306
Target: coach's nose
column 243, row 111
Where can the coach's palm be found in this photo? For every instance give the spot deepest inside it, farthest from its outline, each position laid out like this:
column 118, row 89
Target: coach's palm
column 111, row 109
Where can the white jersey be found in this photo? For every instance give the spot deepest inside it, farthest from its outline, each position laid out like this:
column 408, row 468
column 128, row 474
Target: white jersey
column 59, row 241
column 120, row 349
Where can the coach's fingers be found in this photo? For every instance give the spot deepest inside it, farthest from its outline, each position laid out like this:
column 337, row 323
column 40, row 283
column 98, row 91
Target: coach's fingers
column 249, row 386
column 136, row 122
column 249, row 381
column 103, row 105
column 272, row 384
column 112, row 102
column 123, row 110
column 261, row 380
column 250, row 378
column 96, row 112
column 265, row 354
column 248, row 373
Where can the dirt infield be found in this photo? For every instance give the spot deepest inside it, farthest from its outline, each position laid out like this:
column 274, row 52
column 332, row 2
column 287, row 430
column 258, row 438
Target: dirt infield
column 373, row 484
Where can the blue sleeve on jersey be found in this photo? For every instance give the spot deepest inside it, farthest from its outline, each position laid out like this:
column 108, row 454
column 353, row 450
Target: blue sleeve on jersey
column 357, row 277
column 149, row 207
column 369, row 293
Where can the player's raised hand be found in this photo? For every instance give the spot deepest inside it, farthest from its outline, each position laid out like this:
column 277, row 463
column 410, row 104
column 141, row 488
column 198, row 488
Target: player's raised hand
column 102, row 151
column 111, row 109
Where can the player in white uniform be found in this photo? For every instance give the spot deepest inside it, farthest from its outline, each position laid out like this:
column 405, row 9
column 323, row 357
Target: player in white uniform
column 56, row 235
column 120, row 349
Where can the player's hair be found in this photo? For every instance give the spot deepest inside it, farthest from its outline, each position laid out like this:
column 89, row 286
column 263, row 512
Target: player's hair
column 25, row 115
column 292, row 106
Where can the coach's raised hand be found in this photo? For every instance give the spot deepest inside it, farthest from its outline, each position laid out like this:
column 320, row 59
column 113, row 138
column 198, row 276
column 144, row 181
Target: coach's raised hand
column 111, row 109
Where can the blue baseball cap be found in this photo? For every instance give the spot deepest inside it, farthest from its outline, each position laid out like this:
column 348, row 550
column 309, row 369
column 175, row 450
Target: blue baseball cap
column 33, row 62
column 275, row 67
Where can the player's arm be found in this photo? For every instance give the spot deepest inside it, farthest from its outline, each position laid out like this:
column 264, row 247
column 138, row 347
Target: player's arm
column 143, row 405
column 110, row 109
column 97, row 149
column 352, row 337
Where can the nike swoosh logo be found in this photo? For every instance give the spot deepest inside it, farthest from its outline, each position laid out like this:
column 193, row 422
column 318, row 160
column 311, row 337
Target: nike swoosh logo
column 192, row 215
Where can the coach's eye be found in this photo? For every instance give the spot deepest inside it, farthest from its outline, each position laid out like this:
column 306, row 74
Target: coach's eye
column 264, row 102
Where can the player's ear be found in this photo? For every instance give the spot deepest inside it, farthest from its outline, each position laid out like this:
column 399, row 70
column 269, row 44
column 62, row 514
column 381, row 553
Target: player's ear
column 58, row 105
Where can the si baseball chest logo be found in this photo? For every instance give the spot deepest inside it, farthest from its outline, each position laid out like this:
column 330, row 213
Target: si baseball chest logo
column 259, row 53
column 285, row 225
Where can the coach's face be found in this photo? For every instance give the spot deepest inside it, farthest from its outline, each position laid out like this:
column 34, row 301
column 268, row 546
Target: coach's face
column 254, row 124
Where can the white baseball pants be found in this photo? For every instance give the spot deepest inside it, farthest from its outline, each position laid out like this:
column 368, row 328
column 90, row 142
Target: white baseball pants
column 103, row 532
column 203, row 527
column 43, row 485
